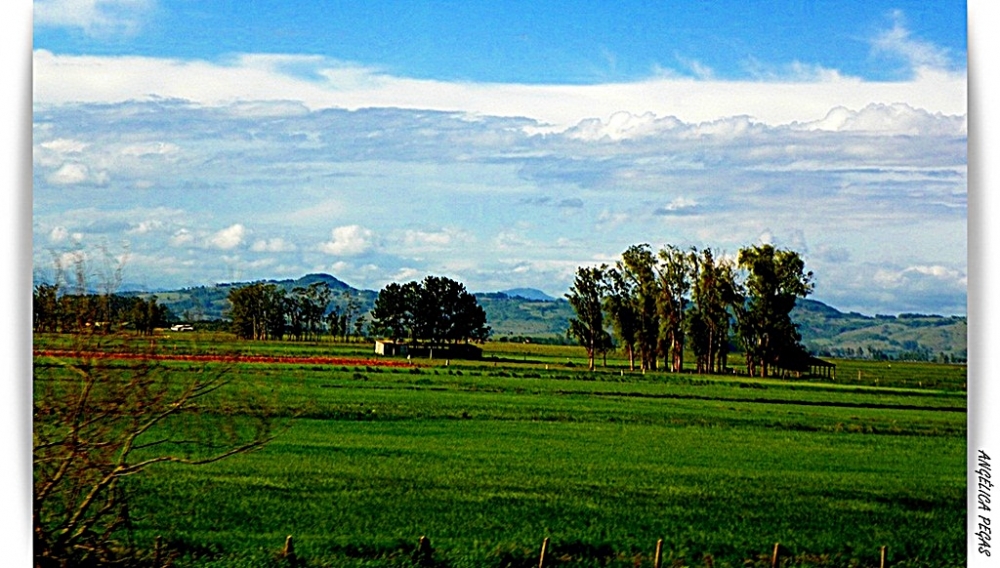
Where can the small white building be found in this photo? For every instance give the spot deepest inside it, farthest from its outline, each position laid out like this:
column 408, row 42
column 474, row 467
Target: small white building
column 389, row 348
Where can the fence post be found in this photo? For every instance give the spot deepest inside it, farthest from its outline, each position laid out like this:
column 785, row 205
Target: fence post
column 541, row 558
column 156, row 551
column 774, row 555
column 658, row 557
column 289, row 549
column 881, row 562
column 424, row 551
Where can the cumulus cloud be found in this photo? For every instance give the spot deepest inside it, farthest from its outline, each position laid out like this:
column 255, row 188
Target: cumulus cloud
column 148, row 226
column 69, row 174
column 64, row 146
column 894, row 119
column 678, row 206
column 921, row 275
column 276, row 244
column 228, row 238
column 417, row 240
column 349, row 240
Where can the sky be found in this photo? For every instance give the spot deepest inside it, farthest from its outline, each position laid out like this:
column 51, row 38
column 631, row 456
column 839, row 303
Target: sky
column 502, row 145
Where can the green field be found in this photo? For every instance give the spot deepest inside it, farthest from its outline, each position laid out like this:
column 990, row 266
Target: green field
column 489, row 458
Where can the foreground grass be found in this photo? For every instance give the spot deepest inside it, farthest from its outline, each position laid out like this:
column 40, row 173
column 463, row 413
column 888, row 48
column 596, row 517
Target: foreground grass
column 353, row 491
column 489, row 458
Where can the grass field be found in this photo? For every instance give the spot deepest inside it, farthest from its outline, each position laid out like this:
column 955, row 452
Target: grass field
column 488, row 458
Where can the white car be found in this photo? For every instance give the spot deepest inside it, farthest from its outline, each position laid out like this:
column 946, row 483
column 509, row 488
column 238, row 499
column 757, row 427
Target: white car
column 182, row 327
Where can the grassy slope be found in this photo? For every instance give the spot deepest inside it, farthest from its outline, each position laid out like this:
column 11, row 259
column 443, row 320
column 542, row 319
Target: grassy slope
column 487, row 459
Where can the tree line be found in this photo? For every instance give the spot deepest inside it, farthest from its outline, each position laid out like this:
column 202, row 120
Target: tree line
column 264, row 310
column 56, row 312
column 657, row 304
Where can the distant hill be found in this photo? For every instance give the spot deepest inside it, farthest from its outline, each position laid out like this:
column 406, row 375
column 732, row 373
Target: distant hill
column 516, row 317
column 520, row 313
column 827, row 331
column 528, row 294
column 206, row 303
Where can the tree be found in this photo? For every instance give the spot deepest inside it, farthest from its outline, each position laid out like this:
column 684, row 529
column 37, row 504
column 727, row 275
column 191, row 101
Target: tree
column 45, row 305
column 258, row 311
column 392, row 316
column 585, row 296
column 637, row 268
column 351, row 312
column 315, row 300
column 775, row 279
column 95, row 426
column 147, row 316
column 438, row 310
column 622, row 311
column 713, row 290
column 674, row 282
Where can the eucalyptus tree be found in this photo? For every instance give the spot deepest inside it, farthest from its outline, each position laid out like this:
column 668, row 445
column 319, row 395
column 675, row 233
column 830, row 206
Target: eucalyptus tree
column 775, row 279
column 258, row 311
column 586, row 297
column 637, row 267
column 674, row 283
column 622, row 311
column 713, row 290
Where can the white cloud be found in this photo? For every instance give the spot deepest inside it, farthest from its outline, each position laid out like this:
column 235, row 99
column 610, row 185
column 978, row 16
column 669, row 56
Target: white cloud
column 64, row 146
column 436, row 240
column 350, row 240
column 623, row 125
column 921, row 275
column 100, row 18
column 895, row 119
column 69, row 174
column 917, row 53
column 148, row 226
column 150, row 148
column 66, row 78
column 407, row 274
column 58, row 234
column 276, row 244
column 181, row 238
column 228, row 238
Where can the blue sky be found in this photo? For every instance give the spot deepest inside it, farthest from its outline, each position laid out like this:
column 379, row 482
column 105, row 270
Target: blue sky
column 503, row 145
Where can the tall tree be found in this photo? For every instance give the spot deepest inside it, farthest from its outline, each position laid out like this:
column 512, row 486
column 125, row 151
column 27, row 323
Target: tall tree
column 637, row 267
column 585, row 296
column 621, row 308
column 713, row 290
column 775, row 279
column 391, row 316
column 674, row 282
column 258, row 311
